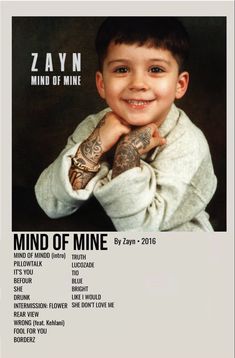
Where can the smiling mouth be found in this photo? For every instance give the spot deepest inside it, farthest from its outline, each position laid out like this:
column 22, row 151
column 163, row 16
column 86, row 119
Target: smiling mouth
column 138, row 103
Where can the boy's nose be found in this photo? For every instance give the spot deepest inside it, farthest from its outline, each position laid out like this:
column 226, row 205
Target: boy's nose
column 138, row 83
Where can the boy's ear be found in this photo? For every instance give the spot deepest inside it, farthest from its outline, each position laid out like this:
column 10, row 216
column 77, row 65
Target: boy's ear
column 100, row 84
column 182, row 84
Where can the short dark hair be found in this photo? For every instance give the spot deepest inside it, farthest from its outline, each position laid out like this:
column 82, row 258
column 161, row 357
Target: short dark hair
column 161, row 32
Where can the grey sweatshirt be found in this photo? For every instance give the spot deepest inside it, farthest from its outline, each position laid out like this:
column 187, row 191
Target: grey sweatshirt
column 168, row 192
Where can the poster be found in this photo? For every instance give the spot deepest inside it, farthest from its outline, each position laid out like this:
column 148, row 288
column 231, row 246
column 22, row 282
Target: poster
column 75, row 286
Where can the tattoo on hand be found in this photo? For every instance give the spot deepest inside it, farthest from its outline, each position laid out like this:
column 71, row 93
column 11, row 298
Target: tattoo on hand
column 126, row 157
column 127, row 154
column 140, row 138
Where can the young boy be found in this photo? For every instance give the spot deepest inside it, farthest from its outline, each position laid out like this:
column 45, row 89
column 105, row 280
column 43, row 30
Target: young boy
column 162, row 177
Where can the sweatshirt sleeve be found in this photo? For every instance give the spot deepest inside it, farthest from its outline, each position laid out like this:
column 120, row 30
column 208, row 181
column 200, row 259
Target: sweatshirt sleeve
column 165, row 193
column 53, row 190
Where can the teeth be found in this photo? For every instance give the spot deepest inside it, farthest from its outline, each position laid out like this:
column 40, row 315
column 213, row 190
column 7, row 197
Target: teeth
column 132, row 101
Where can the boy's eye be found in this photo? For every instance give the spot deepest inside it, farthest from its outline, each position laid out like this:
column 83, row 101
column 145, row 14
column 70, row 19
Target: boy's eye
column 156, row 69
column 121, row 69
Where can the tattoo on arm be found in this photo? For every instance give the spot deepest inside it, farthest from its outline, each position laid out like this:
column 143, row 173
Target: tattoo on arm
column 126, row 157
column 79, row 178
column 89, row 154
column 127, row 153
column 91, row 148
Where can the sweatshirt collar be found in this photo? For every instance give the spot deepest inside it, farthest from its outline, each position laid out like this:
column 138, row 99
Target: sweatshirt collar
column 165, row 128
column 170, row 121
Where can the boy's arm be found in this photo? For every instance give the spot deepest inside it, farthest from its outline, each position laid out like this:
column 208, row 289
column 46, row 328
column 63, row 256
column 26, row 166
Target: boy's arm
column 133, row 145
column 85, row 163
column 163, row 194
column 53, row 189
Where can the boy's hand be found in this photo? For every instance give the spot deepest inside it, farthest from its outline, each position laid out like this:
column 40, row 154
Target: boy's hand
column 110, row 129
column 86, row 161
column 145, row 138
column 133, row 145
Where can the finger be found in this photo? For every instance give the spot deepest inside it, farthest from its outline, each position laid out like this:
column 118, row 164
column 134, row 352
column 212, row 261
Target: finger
column 120, row 119
column 123, row 122
column 162, row 141
column 158, row 141
column 126, row 130
column 154, row 130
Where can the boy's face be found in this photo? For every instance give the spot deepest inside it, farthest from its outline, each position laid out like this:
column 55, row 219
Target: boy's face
column 140, row 83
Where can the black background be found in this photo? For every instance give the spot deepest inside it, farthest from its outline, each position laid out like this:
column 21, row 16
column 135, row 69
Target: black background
column 44, row 116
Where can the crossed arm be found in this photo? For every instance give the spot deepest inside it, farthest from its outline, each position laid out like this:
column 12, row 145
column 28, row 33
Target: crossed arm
column 111, row 130
column 85, row 163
